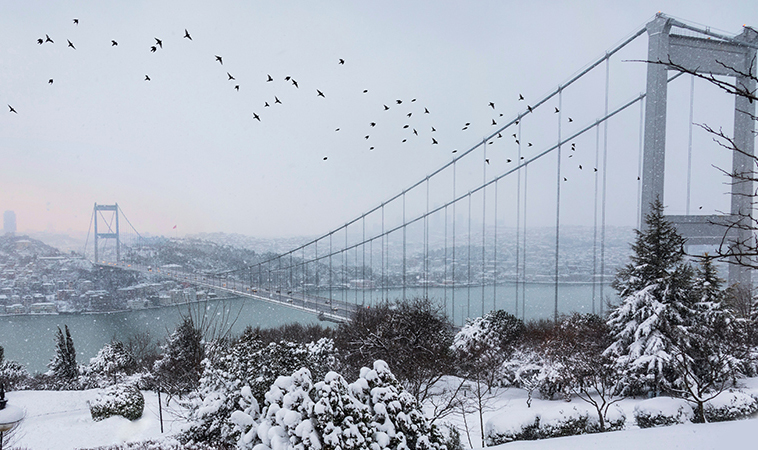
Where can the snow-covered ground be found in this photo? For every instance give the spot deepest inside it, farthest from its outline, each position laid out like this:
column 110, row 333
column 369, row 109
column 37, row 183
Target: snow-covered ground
column 60, row 420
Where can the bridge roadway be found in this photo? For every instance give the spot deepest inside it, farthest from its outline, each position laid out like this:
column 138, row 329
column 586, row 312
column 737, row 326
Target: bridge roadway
column 324, row 308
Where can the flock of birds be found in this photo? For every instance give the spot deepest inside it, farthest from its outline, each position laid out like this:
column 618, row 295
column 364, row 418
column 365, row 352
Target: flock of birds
column 410, row 129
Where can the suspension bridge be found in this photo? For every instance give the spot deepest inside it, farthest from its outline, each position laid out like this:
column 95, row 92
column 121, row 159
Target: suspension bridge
column 590, row 153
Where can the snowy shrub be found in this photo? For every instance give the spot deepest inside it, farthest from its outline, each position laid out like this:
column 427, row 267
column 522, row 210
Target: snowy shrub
column 119, row 400
column 548, row 424
column 530, row 370
column 13, row 375
column 373, row 413
column 241, row 374
column 730, row 405
column 111, row 365
column 662, row 411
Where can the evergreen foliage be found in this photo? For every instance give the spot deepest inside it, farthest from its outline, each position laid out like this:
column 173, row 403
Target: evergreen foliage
column 63, row 367
column 179, row 368
column 111, row 364
column 651, row 324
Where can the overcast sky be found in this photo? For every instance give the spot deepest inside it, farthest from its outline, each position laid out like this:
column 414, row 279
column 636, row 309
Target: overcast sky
column 183, row 148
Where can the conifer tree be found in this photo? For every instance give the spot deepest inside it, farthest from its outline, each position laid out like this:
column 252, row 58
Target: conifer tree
column 63, row 365
column 651, row 324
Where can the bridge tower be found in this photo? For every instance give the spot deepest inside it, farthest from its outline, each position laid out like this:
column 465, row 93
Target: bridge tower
column 110, row 234
column 720, row 56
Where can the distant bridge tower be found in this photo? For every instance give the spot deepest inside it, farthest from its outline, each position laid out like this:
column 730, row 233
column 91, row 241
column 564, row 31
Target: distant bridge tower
column 713, row 55
column 110, row 234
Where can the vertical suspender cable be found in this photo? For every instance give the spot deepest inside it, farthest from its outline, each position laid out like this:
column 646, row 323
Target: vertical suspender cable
column 484, row 221
column 558, row 205
column 594, row 235
column 494, row 258
column 518, row 217
column 363, row 249
column 523, row 272
column 330, row 268
column 344, row 271
column 689, row 142
column 605, row 166
column 426, row 243
column 404, row 241
column 371, row 265
column 444, row 287
column 468, row 257
column 383, row 279
column 453, row 266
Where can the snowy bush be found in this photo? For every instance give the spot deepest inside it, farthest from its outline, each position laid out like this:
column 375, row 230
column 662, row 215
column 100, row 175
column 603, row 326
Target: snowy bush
column 112, row 364
column 13, row 375
column 119, row 400
column 730, row 405
column 549, row 424
column 662, row 411
column 373, row 413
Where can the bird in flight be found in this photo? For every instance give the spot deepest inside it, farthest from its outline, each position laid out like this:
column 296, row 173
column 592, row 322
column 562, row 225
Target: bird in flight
column 50, row 81
column 405, row 126
column 529, row 108
column 366, row 136
column 276, row 100
column 220, row 60
column 508, row 160
column 237, row 87
column 433, row 130
column 158, row 42
column 365, row 91
column 47, row 39
column 410, row 114
column 187, row 35
column 230, row 76
column 580, row 167
column 492, row 105
column 12, row 110
column 320, row 94
column 265, row 104
column 153, row 49
column 520, row 97
column 399, row 101
column 287, row 78
column 40, row 41
column 294, row 83
column 386, row 107
column 324, row 158
column 415, row 132
column 147, row 78
column 255, row 116
column 373, row 124
column 70, row 44
column 113, row 43
column 570, row 119
column 556, row 110
column 76, row 21
column 342, row 61
column 269, row 79
column 487, row 161
column 493, row 122
column 426, row 111
column 529, row 144
column 434, row 141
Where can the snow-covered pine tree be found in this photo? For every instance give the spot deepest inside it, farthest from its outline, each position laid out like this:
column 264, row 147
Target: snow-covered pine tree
column 651, row 324
column 63, row 367
column 111, row 364
column 178, row 370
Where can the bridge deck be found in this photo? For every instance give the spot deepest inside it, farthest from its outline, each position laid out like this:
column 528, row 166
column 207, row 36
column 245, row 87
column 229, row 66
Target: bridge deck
column 325, row 308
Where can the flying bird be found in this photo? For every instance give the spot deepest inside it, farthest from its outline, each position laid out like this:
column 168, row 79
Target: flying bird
column 517, row 141
column 265, row 104
column 342, row 61
column 47, row 39
column 386, row 107
column 434, row 141
column 320, row 94
column 237, row 87
column 492, row 105
column 294, row 83
column 415, row 132
column 410, row 114
column 455, row 151
column 287, row 78
column 255, row 116
column 493, row 122
column 365, row 91
column 324, row 158
column 580, row 167
column 529, row 108
column 269, row 78
column 520, row 97
column 276, row 100
column 405, row 126
column 337, row 129
column 499, row 135
column 570, row 119
column 433, row 130
column 371, row 148
column 147, row 78
column 158, row 42
column 399, row 101
column 113, row 43
column 12, row 110
column 50, row 81
column 366, row 136
column 529, row 144
column 187, row 35
column 426, row 111
column 564, row 179
column 405, row 140
column 153, row 49
column 70, row 44
column 487, row 161
column 76, row 21
column 514, row 135
column 556, row 110
column 230, row 76
column 40, row 41
column 220, row 60
column 595, row 169
column 507, row 160
column 373, row 124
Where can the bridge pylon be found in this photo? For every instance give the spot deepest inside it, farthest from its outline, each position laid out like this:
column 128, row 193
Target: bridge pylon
column 112, row 233
column 711, row 55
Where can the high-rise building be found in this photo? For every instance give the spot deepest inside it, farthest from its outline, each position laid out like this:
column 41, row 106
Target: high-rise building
column 9, row 222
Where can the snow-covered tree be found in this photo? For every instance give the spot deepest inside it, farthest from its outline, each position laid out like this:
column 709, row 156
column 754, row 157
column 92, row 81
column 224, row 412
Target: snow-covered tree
column 63, row 367
column 374, row 413
column 111, row 364
column 178, row 370
column 651, row 324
